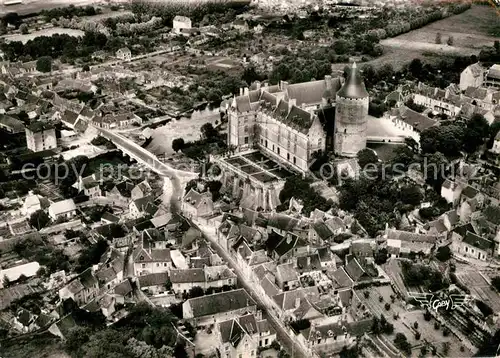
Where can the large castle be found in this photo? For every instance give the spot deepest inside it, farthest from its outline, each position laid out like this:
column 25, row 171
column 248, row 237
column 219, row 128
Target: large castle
column 290, row 122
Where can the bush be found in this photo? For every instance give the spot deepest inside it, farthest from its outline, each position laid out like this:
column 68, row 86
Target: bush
column 415, row 325
column 387, row 306
column 437, row 325
column 446, row 332
column 418, row 335
column 427, row 316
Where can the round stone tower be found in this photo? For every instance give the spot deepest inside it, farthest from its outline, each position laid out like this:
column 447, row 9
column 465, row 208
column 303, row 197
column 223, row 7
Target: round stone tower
column 351, row 113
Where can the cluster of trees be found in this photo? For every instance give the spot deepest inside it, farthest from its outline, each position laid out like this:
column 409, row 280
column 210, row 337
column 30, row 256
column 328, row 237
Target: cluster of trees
column 101, row 141
column 127, row 28
column 296, row 70
column 416, row 22
column 453, row 138
column 300, row 189
column 70, row 12
column 91, row 255
column 401, row 342
column 211, row 142
column 382, row 326
column 376, row 201
column 490, row 55
column 416, row 275
column 39, row 250
column 196, row 12
column 145, row 332
column 20, row 187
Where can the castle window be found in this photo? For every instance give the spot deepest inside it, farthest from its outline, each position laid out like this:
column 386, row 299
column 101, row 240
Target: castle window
column 278, row 151
column 266, row 143
column 294, row 160
column 273, row 147
column 246, row 140
column 287, row 156
column 246, row 129
column 345, row 130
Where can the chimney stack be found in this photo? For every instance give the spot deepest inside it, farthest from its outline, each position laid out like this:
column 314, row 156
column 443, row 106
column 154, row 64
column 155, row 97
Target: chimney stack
column 297, row 302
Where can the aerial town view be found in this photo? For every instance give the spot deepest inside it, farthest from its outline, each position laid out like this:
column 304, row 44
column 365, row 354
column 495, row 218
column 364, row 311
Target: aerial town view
column 249, row 178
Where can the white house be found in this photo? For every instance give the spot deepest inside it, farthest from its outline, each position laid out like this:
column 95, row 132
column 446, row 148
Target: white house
column 451, row 191
column 472, row 76
column 180, row 23
column 62, row 209
column 124, row 54
column 210, row 276
column 32, row 203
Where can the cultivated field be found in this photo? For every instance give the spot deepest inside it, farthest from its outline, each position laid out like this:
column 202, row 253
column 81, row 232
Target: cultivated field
column 470, row 30
column 46, row 32
column 33, row 6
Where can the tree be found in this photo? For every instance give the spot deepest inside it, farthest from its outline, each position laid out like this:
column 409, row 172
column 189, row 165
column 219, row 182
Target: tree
column 86, row 68
column 438, row 38
column 39, row 219
column 366, row 156
column 416, row 67
column 495, row 282
column 381, row 257
column 341, row 47
column 24, row 29
column 443, row 253
column 208, row 131
column 477, row 132
column 427, row 316
column 411, row 194
column 178, row 144
column 44, row 64
column 402, row 343
column 450, row 41
column 196, row 291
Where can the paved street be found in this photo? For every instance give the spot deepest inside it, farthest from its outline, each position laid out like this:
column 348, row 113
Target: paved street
column 288, row 343
column 295, row 350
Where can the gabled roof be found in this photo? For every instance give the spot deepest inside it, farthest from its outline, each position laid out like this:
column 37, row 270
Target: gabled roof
column 153, row 279
column 417, row 120
column 220, row 303
column 342, row 278
column 187, row 276
column 195, row 199
column 322, row 230
column 63, row 206
column 354, row 269
column 286, row 272
column 478, row 241
column 492, row 214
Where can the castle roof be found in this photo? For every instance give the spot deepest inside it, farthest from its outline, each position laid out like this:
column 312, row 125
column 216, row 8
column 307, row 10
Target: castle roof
column 354, row 87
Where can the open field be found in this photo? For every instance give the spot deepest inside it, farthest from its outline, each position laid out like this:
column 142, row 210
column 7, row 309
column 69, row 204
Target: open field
column 470, row 30
column 34, row 6
column 45, row 32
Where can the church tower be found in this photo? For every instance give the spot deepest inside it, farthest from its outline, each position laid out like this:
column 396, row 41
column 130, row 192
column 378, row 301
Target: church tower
column 351, row 115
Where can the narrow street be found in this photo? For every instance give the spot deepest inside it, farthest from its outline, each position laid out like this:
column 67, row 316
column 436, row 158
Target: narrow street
column 294, row 349
column 288, row 343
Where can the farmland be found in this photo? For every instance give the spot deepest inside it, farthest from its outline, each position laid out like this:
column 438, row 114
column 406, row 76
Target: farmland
column 46, row 32
column 471, row 30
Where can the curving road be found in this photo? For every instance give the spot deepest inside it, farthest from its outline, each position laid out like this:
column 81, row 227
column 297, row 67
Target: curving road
column 150, row 160
column 176, row 177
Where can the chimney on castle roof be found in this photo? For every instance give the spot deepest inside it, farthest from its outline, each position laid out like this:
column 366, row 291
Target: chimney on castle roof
column 291, row 102
column 245, row 91
column 283, row 85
